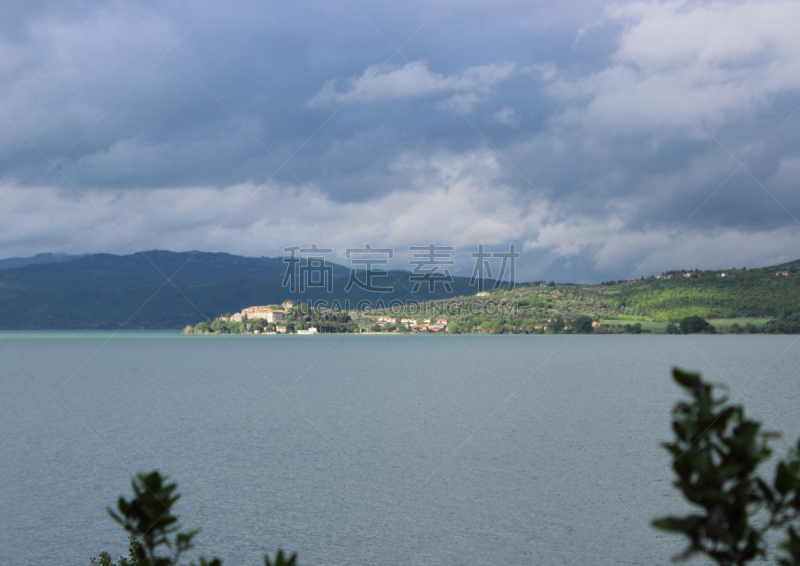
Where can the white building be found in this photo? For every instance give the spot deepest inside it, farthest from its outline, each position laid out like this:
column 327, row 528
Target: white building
column 252, row 313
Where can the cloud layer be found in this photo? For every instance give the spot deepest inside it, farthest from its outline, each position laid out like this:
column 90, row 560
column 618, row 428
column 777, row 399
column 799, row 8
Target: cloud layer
column 462, row 90
column 631, row 137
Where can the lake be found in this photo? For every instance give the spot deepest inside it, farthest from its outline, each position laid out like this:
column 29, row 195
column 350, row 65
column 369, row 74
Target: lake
column 373, row 450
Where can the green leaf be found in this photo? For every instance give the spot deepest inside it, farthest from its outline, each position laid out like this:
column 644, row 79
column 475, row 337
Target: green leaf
column 792, row 547
column 280, row 559
column 784, row 480
column 685, row 379
column 670, row 524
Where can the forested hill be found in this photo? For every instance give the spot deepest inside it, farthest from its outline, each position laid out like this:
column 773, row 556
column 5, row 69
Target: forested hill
column 13, row 262
column 746, row 297
column 104, row 291
column 736, row 293
column 739, row 293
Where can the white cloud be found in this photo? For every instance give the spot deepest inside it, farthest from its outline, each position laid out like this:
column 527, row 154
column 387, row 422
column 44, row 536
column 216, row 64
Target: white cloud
column 506, row 116
column 632, row 253
column 449, row 198
column 464, row 89
column 675, row 63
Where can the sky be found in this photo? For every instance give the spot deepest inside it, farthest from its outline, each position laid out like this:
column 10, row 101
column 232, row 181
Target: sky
column 604, row 140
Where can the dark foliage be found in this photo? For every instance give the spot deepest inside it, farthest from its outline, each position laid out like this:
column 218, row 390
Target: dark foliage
column 582, row 324
column 695, row 324
column 790, row 325
column 326, row 321
column 149, row 520
column 716, row 452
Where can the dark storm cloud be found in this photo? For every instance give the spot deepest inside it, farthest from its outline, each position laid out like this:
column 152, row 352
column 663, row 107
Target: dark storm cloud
column 264, row 63
column 585, row 131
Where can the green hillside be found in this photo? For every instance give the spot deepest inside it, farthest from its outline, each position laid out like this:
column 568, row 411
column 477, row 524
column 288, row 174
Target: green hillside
column 755, row 292
column 740, row 293
column 105, row 291
column 757, row 297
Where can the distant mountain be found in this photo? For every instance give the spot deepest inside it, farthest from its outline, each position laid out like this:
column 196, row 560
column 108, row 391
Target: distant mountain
column 169, row 290
column 38, row 259
column 165, row 290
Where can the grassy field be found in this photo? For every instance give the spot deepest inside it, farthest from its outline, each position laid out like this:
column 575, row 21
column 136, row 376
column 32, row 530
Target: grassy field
column 651, row 325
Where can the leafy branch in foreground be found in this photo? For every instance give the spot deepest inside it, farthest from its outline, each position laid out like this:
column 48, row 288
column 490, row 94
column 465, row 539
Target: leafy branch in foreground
column 134, row 551
column 150, row 523
column 716, row 452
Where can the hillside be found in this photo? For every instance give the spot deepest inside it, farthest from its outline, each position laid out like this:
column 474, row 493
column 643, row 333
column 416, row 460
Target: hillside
column 741, row 296
column 754, row 292
column 38, row 259
column 104, row 291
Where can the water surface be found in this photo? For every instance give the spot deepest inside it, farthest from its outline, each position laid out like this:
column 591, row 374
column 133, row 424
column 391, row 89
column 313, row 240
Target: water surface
column 364, row 449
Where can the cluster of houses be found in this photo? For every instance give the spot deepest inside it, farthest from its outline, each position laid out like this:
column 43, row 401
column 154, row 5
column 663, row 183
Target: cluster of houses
column 689, row 274
column 271, row 315
column 595, row 325
column 424, row 326
column 276, row 316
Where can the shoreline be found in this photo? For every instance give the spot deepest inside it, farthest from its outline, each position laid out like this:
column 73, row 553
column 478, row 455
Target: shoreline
column 171, row 333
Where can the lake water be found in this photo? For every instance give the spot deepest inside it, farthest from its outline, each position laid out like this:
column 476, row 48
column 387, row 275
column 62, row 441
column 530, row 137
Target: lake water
column 372, row 450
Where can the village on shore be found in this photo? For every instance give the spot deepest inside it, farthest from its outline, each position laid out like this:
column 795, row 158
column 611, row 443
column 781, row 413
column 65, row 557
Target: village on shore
column 291, row 318
column 734, row 301
column 270, row 319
